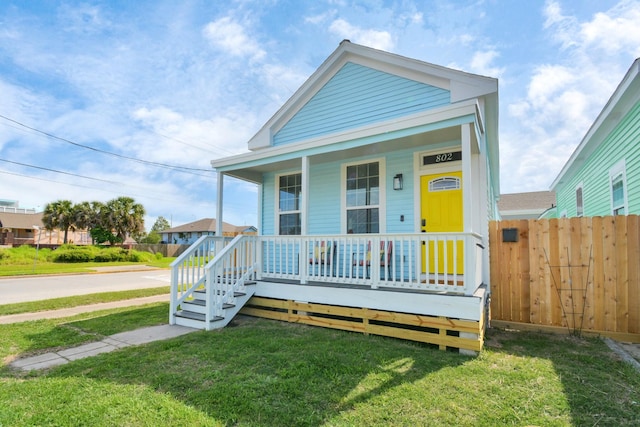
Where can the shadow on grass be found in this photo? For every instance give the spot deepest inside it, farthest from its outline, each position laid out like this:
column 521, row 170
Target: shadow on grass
column 30, row 338
column 599, row 388
column 282, row 374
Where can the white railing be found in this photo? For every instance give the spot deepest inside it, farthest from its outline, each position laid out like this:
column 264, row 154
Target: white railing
column 228, row 272
column 450, row 262
column 188, row 270
column 219, row 266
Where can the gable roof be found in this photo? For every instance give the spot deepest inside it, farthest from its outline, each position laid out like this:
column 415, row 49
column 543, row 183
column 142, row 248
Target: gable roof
column 20, row 220
column 626, row 95
column 461, row 85
column 469, row 95
column 205, row 224
column 534, row 200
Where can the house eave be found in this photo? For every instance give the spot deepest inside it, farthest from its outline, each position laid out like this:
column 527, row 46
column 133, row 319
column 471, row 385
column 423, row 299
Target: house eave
column 462, row 112
column 624, row 97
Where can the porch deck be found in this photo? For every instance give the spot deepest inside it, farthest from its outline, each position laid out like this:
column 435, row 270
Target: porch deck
column 423, row 287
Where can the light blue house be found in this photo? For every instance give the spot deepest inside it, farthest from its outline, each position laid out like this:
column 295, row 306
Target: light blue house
column 602, row 176
column 377, row 181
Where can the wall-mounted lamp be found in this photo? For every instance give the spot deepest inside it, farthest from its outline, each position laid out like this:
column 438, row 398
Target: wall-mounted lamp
column 397, row 182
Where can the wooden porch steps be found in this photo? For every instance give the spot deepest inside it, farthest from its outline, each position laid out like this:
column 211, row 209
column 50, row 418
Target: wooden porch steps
column 192, row 313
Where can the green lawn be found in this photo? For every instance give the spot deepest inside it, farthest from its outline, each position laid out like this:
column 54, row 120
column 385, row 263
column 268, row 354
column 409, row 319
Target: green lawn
column 266, row 373
column 74, row 301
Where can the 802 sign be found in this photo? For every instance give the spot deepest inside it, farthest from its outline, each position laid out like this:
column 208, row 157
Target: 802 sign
column 442, row 158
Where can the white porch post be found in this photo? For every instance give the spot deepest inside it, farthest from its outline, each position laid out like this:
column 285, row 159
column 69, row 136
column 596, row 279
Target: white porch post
column 304, row 219
column 259, row 240
column 219, row 211
column 468, row 206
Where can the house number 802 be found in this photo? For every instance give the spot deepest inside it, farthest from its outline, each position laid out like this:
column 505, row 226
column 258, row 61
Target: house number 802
column 445, row 157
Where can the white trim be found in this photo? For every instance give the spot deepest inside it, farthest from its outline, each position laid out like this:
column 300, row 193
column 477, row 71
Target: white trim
column 382, row 209
column 304, row 197
column 453, row 111
column 461, row 85
column 220, row 204
column 619, row 169
column 276, row 200
column 422, row 170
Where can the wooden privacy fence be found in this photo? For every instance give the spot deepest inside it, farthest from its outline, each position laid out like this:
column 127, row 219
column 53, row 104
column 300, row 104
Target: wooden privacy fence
column 582, row 274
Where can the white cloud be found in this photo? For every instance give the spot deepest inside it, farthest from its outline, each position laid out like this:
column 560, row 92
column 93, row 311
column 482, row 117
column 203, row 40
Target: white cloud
column 564, row 98
column 481, row 64
column 372, row 38
column 614, row 32
column 230, row 36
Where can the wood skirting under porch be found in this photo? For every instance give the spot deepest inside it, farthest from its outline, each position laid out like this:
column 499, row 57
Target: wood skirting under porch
column 444, row 331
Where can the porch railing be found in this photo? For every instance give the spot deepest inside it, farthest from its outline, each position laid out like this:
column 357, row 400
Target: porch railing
column 219, row 266
column 188, row 270
column 450, row 262
column 228, row 273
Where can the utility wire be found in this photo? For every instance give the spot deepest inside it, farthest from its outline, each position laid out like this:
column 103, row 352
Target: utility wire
column 62, row 172
column 143, row 196
column 146, row 162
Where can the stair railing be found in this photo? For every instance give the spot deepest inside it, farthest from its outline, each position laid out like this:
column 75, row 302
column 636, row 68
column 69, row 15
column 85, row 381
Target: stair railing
column 228, row 272
column 188, row 270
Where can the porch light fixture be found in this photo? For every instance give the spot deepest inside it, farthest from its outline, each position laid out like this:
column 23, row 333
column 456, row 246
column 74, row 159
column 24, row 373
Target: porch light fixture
column 397, row 182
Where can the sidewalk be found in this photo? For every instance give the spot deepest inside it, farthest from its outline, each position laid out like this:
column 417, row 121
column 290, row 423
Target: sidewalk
column 111, row 343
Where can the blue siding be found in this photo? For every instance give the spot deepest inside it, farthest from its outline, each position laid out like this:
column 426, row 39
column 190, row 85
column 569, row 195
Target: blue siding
column 268, row 204
column 324, row 203
column 358, row 96
column 325, row 193
column 400, row 202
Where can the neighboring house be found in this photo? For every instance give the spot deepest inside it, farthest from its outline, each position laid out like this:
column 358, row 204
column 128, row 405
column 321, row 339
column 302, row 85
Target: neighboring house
column 189, row 233
column 376, row 183
column 531, row 205
column 19, row 227
column 602, row 176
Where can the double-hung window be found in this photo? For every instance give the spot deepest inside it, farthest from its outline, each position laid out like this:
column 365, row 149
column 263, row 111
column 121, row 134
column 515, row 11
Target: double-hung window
column 289, row 190
column 363, row 198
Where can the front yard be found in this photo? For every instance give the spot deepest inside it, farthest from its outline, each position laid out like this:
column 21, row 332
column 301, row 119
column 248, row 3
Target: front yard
column 267, row 373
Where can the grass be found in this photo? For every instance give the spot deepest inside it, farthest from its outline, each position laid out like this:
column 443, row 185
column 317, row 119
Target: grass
column 23, row 261
column 265, row 373
column 66, row 268
column 66, row 302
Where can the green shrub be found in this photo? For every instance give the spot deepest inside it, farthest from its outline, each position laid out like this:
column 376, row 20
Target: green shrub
column 23, row 255
column 159, row 256
column 68, row 253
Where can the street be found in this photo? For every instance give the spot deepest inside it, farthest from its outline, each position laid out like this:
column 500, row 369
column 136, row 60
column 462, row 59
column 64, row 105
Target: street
column 35, row 288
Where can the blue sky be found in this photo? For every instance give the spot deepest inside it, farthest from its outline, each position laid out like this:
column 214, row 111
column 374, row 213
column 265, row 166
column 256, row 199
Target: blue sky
column 179, row 83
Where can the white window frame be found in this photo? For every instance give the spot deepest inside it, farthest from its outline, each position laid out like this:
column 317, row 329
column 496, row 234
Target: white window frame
column 579, row 208
column 381, row 206
column 618, row 171
column 278, row 212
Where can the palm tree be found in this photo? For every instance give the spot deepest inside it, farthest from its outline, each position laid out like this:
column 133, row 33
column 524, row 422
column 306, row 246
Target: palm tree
column 124, row 216
column 59, row 214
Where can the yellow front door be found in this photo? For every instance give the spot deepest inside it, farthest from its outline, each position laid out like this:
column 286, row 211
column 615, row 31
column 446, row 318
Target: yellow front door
column 441, row 212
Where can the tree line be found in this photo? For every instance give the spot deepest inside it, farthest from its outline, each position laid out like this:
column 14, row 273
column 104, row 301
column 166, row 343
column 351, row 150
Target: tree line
column 109, row 222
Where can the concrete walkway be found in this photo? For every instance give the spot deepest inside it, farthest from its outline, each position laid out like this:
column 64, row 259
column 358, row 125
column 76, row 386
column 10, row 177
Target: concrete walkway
column 111, row 343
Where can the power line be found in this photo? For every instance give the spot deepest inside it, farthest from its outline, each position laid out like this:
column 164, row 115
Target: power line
column 144, row 196
column 62, row 172
column 146, row 162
